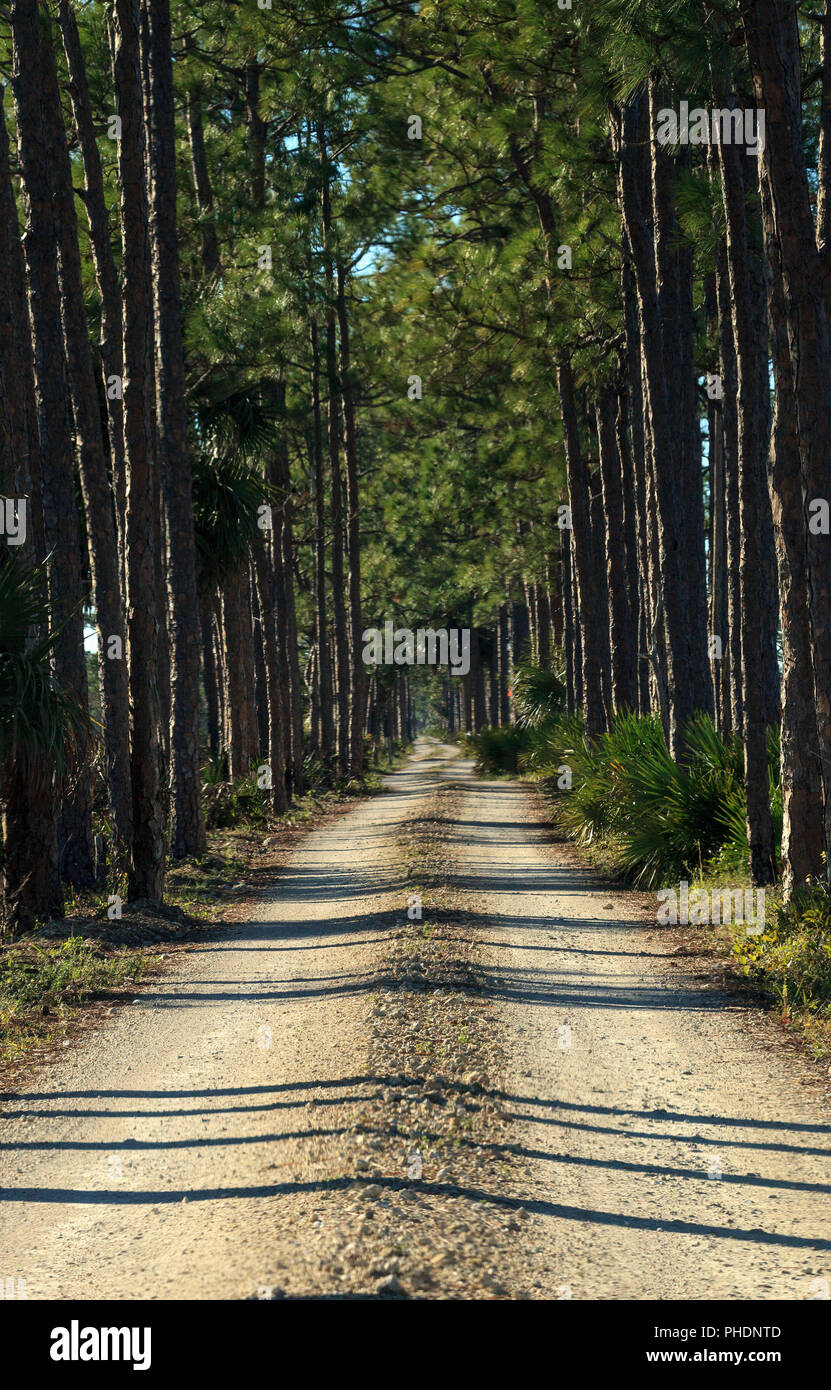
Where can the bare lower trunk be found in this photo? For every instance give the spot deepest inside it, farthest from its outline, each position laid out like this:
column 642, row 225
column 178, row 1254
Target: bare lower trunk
column 187, row 828
column 60, row 521
column 147, row 868
column 771, row 30
column 323, row 664
column 284, row 599
column 621, row 633
column 272, row 660
column 353, row 531
column 92, row 458
column 209, row 676
column 94, row 199
column 238, row 642
column 31, row 888
column 802, row 838
column 635, row 196
column 748, row 326
column 587, row 615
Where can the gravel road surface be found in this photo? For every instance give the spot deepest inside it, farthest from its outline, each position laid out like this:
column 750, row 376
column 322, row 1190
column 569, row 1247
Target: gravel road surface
column 662, row 1141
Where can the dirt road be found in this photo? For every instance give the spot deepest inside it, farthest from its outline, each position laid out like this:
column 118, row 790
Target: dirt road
column 661, row 1143
column 673, row 1149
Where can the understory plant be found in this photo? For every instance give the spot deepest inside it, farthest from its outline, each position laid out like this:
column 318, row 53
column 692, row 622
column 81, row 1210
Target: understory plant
column 660, row 819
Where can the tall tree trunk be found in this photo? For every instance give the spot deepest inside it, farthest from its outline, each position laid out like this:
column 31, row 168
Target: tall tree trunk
column 554, row 579
column 802, row 838
column 353, row 530
column 600, row 584
column 533, row 620
column 147, row 869
column 717, row 535
column 31, row 877
column 824, row 158
column 202, row 184
column 341, row 640
column 569, row 636
column 719, row 624
column 771, row 30
column 214, row 600
column 673, row 262
column 238, row 641
column 280, row 478
column 324, row 665
column 110, row 342
column 477, row 682
column 584, row 558
column 544, row 627
column 60, row 518
column 630, row 133
column 210, row 676
column 275, row 685
column 637, row 545
column 654, row 649
column 187, row 829
column 92, row 458
column 261, row 692
column 768, row 585
column 747, row 328
column 504, row 667
column 630, row 539
column 493, row 682
column 734, row 715
column 621, row 634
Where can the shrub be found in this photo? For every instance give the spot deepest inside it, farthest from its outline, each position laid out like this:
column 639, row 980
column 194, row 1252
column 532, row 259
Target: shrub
column 499, row 750
column 662, row 820
column 538, row 695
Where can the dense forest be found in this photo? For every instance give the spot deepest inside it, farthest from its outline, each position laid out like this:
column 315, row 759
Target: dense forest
column 500, row 315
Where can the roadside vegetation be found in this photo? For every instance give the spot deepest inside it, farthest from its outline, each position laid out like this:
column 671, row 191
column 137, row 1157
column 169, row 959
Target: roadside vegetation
column 655, row 822
column 91, row 955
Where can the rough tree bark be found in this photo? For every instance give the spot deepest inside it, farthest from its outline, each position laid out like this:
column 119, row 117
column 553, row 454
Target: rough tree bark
column 187, row 826
column 771, row 31
column 323, row 664
column 202, row 184
column 31, row 877
column 587, row 614
column 341, row 640
column 630, row 130
column 238, row 653
column 61, row 531
column 353, row 531
column 275, row 686
column 147, row 867
column 802, row 838
column 280, row 479
column 106, row 275
column 622, row 635
column 95, row 484
column 752, row 442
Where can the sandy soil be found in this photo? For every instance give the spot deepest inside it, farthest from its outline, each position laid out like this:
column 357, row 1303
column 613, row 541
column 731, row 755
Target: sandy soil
column 173, row 1154
column 672, row 1147
column 207, row 1140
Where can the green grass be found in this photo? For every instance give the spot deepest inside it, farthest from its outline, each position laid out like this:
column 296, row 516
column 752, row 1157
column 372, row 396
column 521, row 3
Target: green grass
column 41, row 983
